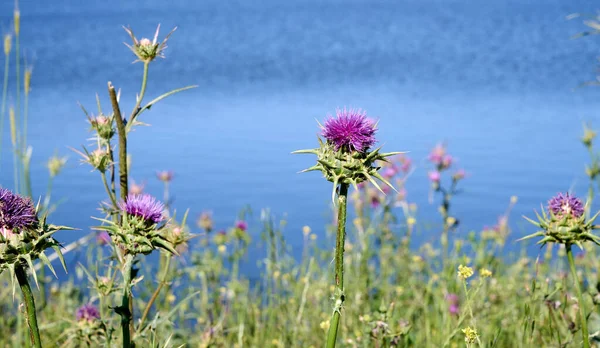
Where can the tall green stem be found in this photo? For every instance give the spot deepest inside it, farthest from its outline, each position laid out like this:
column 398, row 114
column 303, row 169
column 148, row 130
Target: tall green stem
column 126, row 314
column 3, row 111
column 339, row 265
column 138, row 103
column 582, row 317
column 34, row 332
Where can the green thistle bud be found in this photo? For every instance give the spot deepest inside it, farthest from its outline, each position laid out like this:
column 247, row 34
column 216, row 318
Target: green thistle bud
column 588, row 136
column 146, row 50
column 103, row 126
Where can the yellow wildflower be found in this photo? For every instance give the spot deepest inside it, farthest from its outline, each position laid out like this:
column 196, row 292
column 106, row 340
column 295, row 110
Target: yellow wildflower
column 324, row 325
column 485, row 273
column 470, row 335
column 411, row 221
column 222, row 249
column 465, row 271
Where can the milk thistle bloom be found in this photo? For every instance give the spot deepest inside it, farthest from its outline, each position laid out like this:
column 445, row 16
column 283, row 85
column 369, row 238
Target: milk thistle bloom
column 139, row 232
column 350, row 130
column 145, row 207
column 565, row 223
column 23, row 239
column 87, row 312
column 565, row 204
column 345, row 158
column 16, row 213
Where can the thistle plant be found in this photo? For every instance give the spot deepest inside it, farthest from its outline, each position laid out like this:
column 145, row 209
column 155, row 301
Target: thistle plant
column 24, row 239
column 443, row 162
column 345, row 158
column 565, row 223
column 133, row 221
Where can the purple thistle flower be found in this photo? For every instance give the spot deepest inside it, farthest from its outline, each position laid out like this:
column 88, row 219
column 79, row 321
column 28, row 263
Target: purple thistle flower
column 350, row 130
column 16, row 212
column 565, row 204
column 453, row 303
column 88, row 312
column 242, row 225
column 144, row 206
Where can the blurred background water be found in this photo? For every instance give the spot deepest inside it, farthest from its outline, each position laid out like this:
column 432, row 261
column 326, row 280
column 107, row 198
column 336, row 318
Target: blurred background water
column 497, row 80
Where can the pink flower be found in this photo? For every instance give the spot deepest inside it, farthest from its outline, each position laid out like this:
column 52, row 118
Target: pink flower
column 434, row 176
column 437, row 154
column 446, row 161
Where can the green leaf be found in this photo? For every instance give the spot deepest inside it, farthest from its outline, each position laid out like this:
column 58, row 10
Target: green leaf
column 156, row 100
column 60, row 257
column 47, row 262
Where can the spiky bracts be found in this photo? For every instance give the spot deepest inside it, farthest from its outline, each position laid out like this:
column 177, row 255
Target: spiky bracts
column 564, row 223
column 140, row 231
column 342, row 167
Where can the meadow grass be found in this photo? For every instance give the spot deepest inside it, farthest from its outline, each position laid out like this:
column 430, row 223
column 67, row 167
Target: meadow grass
column 473, row 290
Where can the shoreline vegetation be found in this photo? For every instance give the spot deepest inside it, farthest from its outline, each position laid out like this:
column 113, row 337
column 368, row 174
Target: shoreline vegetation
column 367, row 286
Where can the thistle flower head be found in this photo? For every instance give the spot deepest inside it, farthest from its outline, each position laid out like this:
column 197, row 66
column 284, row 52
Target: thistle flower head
column 350, row 130
column 434, row 176
column 88, row 312
column 565, row 204
column 143, row 206
column 437, row 154
column 16, row 212
column 205, row 221
column 241, row 225
column 165, row 175
column 146, row 50
column 345, row 156
column 565, row 222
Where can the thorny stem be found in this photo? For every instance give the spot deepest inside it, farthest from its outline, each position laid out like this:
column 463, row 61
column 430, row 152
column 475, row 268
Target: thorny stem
column 339, row 265
column 34, row 332
column 161, row 284
column 125, row 312
column 122, row 141
column 127, row 305
column 582, row 318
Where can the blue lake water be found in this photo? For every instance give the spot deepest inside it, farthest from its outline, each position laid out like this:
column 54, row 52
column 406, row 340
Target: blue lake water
column 496, row 80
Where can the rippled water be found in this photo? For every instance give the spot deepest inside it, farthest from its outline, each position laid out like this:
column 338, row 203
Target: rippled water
column 496, row 80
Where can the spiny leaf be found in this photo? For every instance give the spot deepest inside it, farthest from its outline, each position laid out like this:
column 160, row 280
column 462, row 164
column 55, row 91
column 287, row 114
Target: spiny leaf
column 47, row 262
column 60, row 257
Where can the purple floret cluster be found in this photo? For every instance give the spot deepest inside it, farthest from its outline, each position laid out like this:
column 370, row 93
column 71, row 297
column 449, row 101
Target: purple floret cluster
column 565, row 204
column 350, row 130
column 144, row 206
